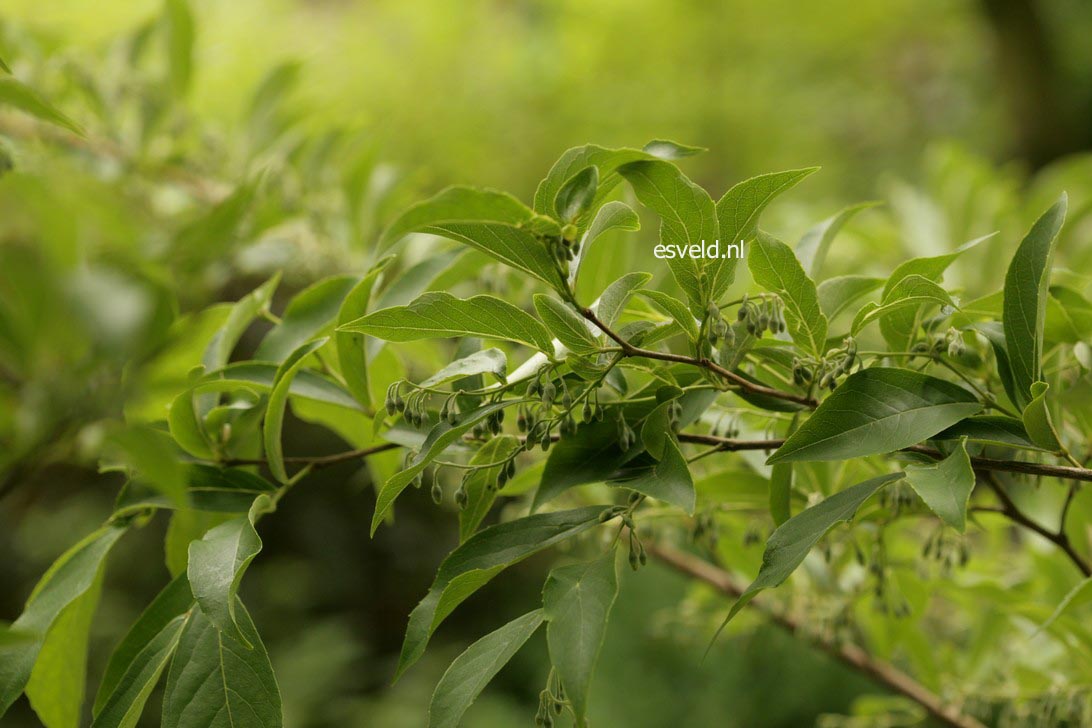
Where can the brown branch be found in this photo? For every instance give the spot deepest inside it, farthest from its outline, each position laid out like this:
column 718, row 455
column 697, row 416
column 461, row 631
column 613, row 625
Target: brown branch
column 319, row 461
column 629, row 349
column 1011, row 511
column 883, row 673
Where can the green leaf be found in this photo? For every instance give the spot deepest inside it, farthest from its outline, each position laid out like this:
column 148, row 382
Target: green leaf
column 576, row 195
column 668, row 480
column 179, row 20
column 1026, row 284
column 278, row 400
column 123, row 708
column 566, row 324
column 210, row 489
column 4, row 66
column 471, row 671
column 790, row 543
column 812, row 248
column 667, row 149
column 1078, row 596
column 900, row 327
column 483, row 556
column 589, row 456
column 216, row 682
column 242, row 315
column 58, row 681
column 486, row 361
column 655, row 432
column 1038, row 421
column 738, row 213
column 613, row 300
column 836, row 294
column 912, row 292
column 22, row 97
column 154, row 458
column 217, row 563
column 441, row 315
column 781, row 492
column 877, row 410
column 70, row 577
column 945, row 486
column 991, row 429
column 173, row 602
column 458, row 204
column 612, row 216
column 310, row 313
column 440, row 437
column 351, row 356
column 607, row 161
column 774, row 267
column 676, row 309
column 687, row 218
column 13, row 637
column 481, row 484
column 576, row 602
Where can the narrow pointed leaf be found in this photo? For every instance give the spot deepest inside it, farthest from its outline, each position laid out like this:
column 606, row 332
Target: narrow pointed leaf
column 278, row 401
column 774, row 267
column 614, row 298
column 812, row 248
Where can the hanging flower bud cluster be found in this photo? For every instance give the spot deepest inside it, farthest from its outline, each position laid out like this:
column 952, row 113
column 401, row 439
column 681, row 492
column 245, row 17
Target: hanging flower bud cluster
column 538, row 420
column 754, row 318
column 551, row 701
column 637, row 555
column 836, row 364
column 949, row 551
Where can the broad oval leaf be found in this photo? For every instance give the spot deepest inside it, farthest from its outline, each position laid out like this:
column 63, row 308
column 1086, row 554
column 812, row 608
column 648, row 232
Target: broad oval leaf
column 613, row 300
column 676, row 309
column 945, row 486
column 441, row 315
column 576, row 602
column 878, row 410
column 473, row 669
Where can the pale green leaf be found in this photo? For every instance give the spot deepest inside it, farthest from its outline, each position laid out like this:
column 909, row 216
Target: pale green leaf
column 20, row 96
column 566, row 324
column 351, row 355
column 674, row 308
column 576, row 195
column 486, row 361
column 278, row 400
column 774, row 267
column 945, row 486
column 836, row 294
column 1038, row 421
column 458, row 204
column 613, row 300
column 310, row 313
column 813, row 246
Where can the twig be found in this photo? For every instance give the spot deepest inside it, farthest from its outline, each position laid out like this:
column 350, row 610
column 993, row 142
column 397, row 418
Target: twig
column 319, row 461
column 629, row 349
column 884, row 673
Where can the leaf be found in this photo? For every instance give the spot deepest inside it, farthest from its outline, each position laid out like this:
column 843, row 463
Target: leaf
column 900, row 327
column 576, row 195
column 676, row 309
column 13, row 637
column 774, row 267
column 1038, row 421
column 123, row 708
column 179, row 21
column 612, row 216
column 310, row 313
column 877, row 410
column 1026, row 283
column 154, row 457
column 564, row 323
column 991, row 429
column 836, row 294
column 486, row 361
column 351, row 356
column 171, row 603
column 242, row 314
column 441, row 315
column 812, row 248
column 790, row 543
column 22, row 97
column 667, row 149
column 591, row 455
column 668, row 480
column 738, row 213
column 781, row 492
column 483, row 556
column 687, row 218
column 576, row 602
column 4, row 67
column 481, row 484
column 210, row 489
column 471, row 671
column 216, row 682
column 913, row 291
column 217, row 563
column 457, row 204
column 945, row 486
column 613, row 300
column 1078, row 596
column 656, row 428
column 278, row 400
column 607, row 161
column 440, row 437
column 69, row 578
column 58, row 681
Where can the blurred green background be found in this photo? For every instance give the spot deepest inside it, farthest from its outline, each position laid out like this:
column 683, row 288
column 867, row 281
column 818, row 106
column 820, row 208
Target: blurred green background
column 949, row 109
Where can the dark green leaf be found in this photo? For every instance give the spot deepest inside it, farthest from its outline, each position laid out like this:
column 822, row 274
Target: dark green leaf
column 1038, row 421
column 668, row 480
column 878, row 410
column 576, row 602
column 473, row 669
column 310, row 313
column 483, row 556
column 576, row 195
column 992, row 429
column 945, row 486
column 1025, row 303
column 441, row 315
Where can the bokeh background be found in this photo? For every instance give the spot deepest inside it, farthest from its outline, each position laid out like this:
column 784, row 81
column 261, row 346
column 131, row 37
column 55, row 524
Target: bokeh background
column 323, row 118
